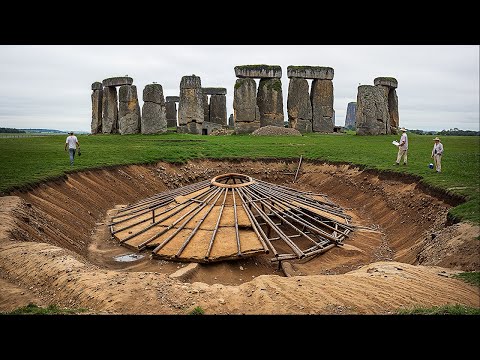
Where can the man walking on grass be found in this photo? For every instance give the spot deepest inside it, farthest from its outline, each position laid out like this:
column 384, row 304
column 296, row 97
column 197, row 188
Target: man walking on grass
column 402, row 148
column 72, row 143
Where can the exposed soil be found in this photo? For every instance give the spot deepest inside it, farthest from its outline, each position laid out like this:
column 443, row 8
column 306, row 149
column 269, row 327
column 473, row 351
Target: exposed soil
column 56, row 247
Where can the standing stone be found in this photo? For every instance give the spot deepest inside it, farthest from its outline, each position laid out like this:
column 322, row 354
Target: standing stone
column 190, row 107
column 110, row 111
column 350, row 117
column 97, row 99
column 129, row 120
column 153, row 110
column 299, row 106
column 218, row 109
column 230, row 121
column 206, row 107
column 270, row 102
column 389, row 84
column 171, row 113
column 371, row 115
column 245, row 110
column 393, row 111
column 322, row 106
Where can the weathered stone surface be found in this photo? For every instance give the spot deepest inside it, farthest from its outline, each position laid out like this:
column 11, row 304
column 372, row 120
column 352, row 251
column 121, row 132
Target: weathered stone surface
column 246, row 127
column 172, row 98
column 310, row 72
column 258, row 71
column 218, row 109
column 109, row 111
column 153, row 93
column 153, row 118
column 299, row 106
column 97, row 86
column 208, row 127
column 97, row 99
column 321, row 97
column 350, row 116
column 245, row 101
column 214, row 91
column 270, row 102
column 386, row 81
column 190, row 128
column 393, row 111
column 371, row 115
column 190, row 82
column 206, row 107
column 117, row 81
column 190, row 107
column 171, row 113
column 129, row 120
column 230, row 121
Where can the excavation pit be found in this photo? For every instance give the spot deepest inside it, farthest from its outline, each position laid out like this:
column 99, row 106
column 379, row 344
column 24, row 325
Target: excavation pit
column 394, row 217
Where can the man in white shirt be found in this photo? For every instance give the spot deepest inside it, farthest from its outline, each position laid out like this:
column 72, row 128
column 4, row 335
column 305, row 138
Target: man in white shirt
column 437, row 153
column 402, row 148
column 71, row 143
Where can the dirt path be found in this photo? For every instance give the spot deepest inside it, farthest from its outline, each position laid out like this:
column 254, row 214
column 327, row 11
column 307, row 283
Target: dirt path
column 64, row 257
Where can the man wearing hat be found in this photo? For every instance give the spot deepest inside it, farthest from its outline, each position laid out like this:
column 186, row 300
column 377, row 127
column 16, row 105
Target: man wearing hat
column 71, row 143
column 402, row 147
column 437, row 152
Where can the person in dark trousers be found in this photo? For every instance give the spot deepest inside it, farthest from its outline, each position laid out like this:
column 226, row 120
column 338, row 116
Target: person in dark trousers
column 71, row 143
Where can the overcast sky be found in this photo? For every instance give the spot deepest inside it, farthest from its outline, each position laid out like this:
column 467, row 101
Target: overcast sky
column 50, row 86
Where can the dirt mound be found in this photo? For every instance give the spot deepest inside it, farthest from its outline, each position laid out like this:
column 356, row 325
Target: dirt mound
column 276, row 130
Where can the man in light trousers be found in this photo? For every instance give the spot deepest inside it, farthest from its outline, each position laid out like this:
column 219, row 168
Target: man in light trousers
column 402, row 148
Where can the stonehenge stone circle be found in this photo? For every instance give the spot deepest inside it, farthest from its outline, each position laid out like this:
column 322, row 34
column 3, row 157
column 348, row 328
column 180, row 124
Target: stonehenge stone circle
column 154, row 119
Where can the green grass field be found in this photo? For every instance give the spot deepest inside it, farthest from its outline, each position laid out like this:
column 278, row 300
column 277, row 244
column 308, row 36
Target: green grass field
column 29, row 160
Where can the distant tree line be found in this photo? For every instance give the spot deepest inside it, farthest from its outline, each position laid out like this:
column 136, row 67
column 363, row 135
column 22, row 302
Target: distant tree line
column 11, row 131
column 451, row 132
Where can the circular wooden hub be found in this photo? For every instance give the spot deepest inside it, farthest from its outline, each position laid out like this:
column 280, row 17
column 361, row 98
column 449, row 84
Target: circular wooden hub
column 232, row 180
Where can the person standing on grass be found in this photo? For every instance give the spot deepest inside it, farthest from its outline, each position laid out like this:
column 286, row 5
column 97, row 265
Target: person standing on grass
column 437, row 153
column 71, row 143
column 402, row 148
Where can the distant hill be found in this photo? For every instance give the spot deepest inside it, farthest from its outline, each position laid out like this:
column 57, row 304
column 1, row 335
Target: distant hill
column 10, row 131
